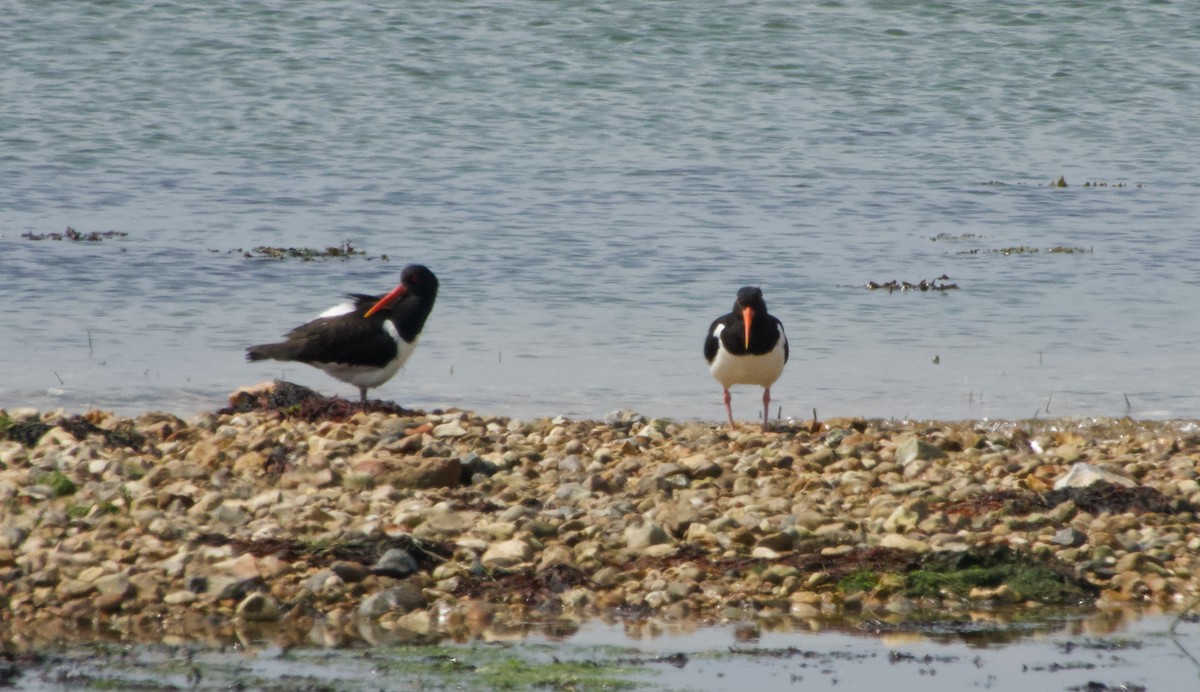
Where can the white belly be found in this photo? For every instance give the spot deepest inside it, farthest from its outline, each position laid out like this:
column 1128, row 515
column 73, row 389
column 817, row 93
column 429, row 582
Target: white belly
column 760, row 370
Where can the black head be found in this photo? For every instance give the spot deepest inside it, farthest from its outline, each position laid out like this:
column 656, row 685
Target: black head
column 416, row 292
column 750, row 297
column 419, row 281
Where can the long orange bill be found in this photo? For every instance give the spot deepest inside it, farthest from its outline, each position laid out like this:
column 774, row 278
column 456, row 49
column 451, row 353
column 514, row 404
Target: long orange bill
column 747, row 317
column 387, row 300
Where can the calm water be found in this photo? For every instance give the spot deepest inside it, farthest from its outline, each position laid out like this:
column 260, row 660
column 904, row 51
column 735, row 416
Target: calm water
column 592, row 183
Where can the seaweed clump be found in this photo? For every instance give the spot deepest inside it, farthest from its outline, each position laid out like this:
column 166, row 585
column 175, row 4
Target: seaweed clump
column 365, row 550
column 296, row 401
column 306, row 254
column 72, row 234
column 27, row 432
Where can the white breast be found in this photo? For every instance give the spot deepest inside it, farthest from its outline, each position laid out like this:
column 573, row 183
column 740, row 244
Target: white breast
column 763, row 370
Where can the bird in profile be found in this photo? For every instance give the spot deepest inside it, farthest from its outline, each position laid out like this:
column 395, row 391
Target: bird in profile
column 366, row 340
column 747, row 346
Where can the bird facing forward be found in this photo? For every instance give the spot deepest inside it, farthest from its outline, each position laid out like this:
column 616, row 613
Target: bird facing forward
column 747, row 346
column 365, row 341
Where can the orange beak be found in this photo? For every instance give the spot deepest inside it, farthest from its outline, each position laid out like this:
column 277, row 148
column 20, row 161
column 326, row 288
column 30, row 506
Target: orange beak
column 747, row 318
column 387, row 300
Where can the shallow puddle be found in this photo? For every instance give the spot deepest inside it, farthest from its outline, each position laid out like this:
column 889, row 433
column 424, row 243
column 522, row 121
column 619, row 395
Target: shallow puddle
column 1090, row 655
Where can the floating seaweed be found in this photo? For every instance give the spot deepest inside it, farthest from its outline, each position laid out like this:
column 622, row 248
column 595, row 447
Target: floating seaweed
column 1030, row 250
column 1061, row 181
column 922, row 285
column 307, row 254
column 72, row 234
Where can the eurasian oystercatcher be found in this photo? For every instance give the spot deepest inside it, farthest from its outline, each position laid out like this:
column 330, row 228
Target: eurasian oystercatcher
column 364, row 341
column 747, row 346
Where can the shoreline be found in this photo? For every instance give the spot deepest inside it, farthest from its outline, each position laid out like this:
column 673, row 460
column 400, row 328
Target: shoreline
column 275, row 517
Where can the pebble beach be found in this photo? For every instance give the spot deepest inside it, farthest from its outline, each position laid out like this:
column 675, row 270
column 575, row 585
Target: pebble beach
column 316, row 522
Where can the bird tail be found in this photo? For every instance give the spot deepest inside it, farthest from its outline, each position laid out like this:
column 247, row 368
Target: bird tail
column 266, row 351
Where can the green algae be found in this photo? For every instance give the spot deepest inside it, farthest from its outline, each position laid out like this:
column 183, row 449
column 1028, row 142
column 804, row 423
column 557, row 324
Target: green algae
column 955, row 575
column 474, row 667
column 60, row 484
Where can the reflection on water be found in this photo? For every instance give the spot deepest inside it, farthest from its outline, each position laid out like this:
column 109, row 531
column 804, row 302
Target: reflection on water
column 1002, row 651
column 479, row 622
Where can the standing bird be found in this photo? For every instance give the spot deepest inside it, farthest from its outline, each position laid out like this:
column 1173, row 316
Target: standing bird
column 365, row 341
column 747, row 346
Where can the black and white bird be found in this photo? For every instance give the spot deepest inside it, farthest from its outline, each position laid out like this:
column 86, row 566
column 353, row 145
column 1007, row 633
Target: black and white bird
column 747, row 346
column 366, row 340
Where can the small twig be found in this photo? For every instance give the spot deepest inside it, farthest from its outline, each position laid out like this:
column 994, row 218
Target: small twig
column 60, row 381
column 1048, row 402
column 89, row 333
column 1128, row 406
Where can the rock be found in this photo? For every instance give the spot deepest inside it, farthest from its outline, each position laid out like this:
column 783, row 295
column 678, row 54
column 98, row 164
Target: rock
column 259, row 607
column 403, row 598
column 1081, row 475
column 641, row 535
column 895, row 540
column 425, row 472
column 114, row 585
column 452, row 429
column 700, row 466
column 183, row 597
column 913, row 448
column 507, row 554
column 109, row 603
column 12, row 536
column 415, row 621
column 248, row 464
column 395, row 563
column 232, row 578
column 323, row 582
column 906, row 517
column 623, row 418
column 73, row 588
column 350, row 572
column 445, row 525
column 472, row 465
column 1069, row 537
column 676, row 517
column 230, row 513
column 779, row 542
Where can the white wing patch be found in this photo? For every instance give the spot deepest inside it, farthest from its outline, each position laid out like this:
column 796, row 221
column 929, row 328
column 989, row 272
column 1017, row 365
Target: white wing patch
column 338, row 310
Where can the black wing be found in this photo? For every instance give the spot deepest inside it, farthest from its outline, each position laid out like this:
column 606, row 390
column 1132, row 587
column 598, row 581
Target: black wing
column 710, row 341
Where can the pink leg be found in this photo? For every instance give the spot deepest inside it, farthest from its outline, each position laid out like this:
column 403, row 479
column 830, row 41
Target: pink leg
column 766, row 406
column 728, row 409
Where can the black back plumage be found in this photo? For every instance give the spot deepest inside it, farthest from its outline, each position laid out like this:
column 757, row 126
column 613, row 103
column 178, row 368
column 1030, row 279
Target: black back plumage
column 765, row 329
column 354, row 338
